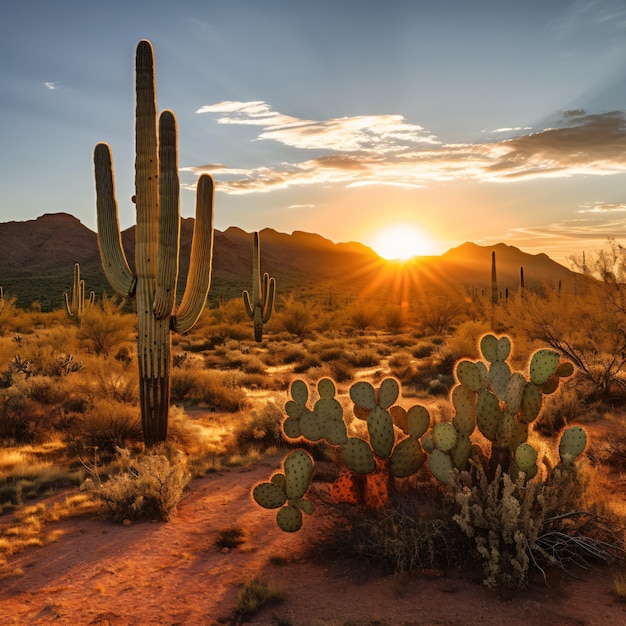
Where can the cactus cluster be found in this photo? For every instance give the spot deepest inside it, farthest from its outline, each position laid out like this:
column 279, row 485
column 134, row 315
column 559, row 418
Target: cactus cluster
column 489, row 400
column 500, row 405
column 75, row 303
column 157, row 245
column 259, row 307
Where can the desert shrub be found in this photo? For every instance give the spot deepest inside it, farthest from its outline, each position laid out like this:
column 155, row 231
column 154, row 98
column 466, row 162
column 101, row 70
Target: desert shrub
column 309, row 362
column 219, row 391
column 422, row 350
column 365, row 357
column 559, row 410
column 147, row 487
column 231, row 537
column 463, row 343
column 363, row 315
column 394, row 318
column 260, row 428
column 104, row 329
column 107, row 379
column 256, row 594
column 341, row 370
column 413, row 533
column 107, row 425
column 295, row 317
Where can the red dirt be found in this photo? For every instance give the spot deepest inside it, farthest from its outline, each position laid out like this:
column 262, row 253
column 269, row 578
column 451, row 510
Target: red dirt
column 173, row 574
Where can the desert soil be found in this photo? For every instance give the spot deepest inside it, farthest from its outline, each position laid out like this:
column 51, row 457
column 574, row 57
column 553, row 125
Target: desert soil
column 173, row 573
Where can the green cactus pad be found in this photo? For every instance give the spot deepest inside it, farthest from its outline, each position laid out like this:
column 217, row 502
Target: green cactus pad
column 295, row 410
column 363, row 395
column 388, row 392
column 489, row 348
column 519, row 434
column 407, row 458
column 564, row 369
column 358, row 456
column 299, row 391
column 427, row 442
column 269, row 495
column 464, row 401
column 469, row 375
column 335, row 432
column 461, row 452
column 306, row 506
column 531, row 403
column 543, row 364
column 418, row 420
column 499, row 376
column 312, row 426
column 489, row 416
column 573, row 442
column 484, row 374
column 444, row 436
column 504, row 348
column 525, row 457
column 298, row 471
column 380, row 429
column 289, row 519
column 514, row 392
column 291, row 428
column 440, row 465
column 280, row 481
column 328, row 409
column 326, row 388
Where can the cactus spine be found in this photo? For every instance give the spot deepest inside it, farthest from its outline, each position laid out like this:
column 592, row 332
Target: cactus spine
column 75, row 304
column 259, row 308
column 157, row 245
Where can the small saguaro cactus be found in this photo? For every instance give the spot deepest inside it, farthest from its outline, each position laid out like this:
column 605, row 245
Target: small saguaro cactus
column 259, row 308
column 75, row 303
column 157, row 245
column 494, row 279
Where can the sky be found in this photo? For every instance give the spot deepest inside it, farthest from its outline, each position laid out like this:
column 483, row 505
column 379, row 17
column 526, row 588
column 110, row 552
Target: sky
column 472, row 120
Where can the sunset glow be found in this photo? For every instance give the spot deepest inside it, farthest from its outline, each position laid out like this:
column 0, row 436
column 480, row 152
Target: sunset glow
column 402, row 242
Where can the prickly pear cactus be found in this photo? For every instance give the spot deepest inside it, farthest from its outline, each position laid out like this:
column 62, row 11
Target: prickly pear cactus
column 500, row 404
column 285, row 491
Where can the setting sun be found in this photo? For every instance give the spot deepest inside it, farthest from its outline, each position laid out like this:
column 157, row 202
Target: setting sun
column 402, row 241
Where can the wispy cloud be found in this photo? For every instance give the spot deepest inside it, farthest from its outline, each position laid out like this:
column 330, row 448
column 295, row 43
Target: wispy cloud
column 50, row 85
column 603, row 207
column 387, row 150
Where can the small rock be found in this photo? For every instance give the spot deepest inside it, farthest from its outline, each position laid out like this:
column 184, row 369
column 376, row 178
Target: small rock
column 127, row 522
column 225, row 550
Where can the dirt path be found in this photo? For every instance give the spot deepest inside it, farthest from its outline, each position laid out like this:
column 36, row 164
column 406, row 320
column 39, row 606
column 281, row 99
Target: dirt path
column 106, row 574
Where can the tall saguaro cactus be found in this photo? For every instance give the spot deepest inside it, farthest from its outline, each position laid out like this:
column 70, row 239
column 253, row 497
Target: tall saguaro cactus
column 259, row 309
column 157, row 245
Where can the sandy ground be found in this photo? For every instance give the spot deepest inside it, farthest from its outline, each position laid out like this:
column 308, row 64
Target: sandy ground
column 173, row 573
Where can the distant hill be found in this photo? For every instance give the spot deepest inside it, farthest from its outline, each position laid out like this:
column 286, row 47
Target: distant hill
column 39, row 255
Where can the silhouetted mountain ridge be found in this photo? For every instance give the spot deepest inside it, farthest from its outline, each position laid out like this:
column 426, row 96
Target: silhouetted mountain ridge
column 39, row 255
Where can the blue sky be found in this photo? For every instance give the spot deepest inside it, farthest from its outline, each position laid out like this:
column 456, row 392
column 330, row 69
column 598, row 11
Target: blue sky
column 481, row 120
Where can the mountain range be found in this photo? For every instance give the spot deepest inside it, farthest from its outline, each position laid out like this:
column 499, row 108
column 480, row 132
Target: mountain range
column 39, row 256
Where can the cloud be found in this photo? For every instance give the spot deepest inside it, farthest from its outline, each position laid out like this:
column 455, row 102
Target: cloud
column 388, row 150
column 50, row 85
column 603, row 207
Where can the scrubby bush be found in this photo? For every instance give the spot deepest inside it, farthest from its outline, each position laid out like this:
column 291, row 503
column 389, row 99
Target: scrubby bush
column 148, row 487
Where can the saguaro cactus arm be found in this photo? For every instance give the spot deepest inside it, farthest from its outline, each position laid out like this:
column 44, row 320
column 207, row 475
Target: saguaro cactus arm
column 199, row 277
column 169, row 218
column 114, row 262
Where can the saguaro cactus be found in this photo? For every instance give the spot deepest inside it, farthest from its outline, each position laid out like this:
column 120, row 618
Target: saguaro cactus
column 75, row 303
column 494, row 279
column 259, row 309
column 157, row 245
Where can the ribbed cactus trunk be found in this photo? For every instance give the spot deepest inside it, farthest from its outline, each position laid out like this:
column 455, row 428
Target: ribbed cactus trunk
column 157, row 243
